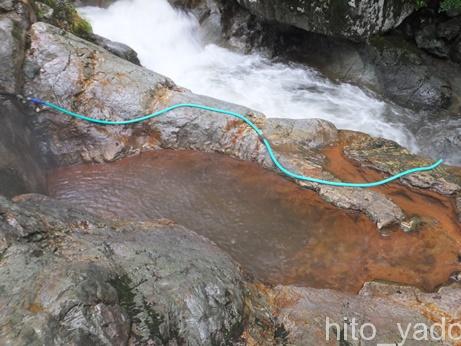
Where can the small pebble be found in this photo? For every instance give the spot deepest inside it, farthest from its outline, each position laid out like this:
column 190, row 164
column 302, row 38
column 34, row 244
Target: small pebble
column 456, row 276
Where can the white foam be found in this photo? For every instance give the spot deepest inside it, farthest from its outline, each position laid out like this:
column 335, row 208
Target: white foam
column 169, row 42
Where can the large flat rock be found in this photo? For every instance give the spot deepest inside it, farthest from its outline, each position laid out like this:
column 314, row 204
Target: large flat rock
column 70, row 278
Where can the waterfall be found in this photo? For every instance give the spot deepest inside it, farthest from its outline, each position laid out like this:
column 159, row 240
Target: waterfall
column 170, row 42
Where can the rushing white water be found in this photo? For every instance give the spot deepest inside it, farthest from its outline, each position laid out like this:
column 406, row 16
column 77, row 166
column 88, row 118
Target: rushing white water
column 169, row 42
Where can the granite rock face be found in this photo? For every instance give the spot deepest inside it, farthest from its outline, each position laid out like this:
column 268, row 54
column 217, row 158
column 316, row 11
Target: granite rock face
column 70, row 278
column 306, row 316
column 355, row 20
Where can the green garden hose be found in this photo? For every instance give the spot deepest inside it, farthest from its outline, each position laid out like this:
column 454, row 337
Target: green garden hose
column 249, row 123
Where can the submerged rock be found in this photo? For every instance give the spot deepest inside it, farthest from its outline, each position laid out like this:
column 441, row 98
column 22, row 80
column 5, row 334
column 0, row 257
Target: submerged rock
column 71, row 278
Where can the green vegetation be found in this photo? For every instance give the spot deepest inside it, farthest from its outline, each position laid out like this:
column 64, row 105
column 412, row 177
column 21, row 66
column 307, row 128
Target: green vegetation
column 65, row 16
column 444, row 5
column 449, row 5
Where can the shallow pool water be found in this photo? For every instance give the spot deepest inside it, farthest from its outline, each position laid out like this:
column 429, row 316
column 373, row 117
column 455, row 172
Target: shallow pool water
column 277, row 231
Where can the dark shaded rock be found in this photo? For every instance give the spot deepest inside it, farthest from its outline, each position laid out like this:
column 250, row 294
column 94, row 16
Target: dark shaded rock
column 202, row 9
column 12, row 38
column 119, row 49
column 70, row 278
column 209, row 13
column 21, row 168
column 456, row 51
column 405, row 77
column 442, row 137
column 427, row 39
column 21, row 165
column 432, row 31
column 356, row 20
column 450, row 29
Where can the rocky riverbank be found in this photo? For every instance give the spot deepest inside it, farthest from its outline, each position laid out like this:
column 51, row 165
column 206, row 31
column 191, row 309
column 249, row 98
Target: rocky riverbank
column 407, row 56
column 68, row 276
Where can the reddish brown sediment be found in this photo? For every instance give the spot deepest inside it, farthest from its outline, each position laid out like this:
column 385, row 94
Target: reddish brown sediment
column 436, row 210
column 276, row 230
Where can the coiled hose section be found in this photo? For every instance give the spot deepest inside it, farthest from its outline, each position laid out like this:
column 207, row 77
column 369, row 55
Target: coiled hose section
column 252, row 125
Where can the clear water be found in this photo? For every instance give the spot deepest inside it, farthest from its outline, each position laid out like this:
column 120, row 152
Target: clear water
column 170, row 42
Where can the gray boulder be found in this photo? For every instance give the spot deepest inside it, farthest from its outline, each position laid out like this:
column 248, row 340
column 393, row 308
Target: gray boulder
column 441, row 137
column 427, row 39
column 6, row 5
column 119, row 49
column 406, row 76
column 450, row 29
column 70, row 278
column 356, row 20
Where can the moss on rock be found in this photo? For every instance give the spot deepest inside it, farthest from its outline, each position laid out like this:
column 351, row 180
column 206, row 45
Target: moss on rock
column 65, row 16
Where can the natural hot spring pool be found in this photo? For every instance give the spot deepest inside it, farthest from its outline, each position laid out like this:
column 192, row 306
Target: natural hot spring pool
column 276, row 230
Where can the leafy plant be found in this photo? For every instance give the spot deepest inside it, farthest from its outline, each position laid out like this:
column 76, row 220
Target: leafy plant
column 450, row 5
column 444, row 5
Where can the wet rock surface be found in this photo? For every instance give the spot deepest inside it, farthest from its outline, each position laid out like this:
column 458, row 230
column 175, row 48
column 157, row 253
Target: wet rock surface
column 356, row 20
column 435, row 32
column 21, row 166
column 301, row 314
column 70, row 278
column 119, row 49
column 12, row 36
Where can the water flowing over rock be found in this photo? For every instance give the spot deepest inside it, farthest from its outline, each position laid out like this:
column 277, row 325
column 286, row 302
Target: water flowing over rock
column 355, row 20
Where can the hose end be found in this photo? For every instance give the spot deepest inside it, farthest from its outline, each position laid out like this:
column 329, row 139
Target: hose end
column 35, row 100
